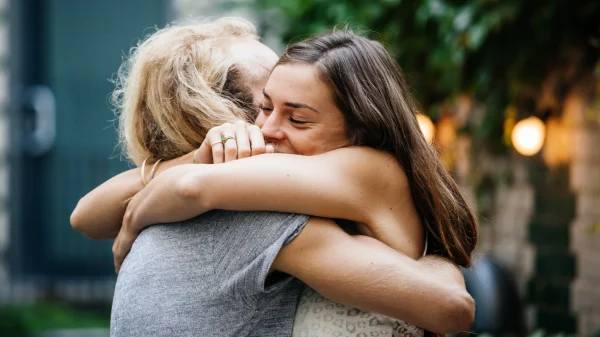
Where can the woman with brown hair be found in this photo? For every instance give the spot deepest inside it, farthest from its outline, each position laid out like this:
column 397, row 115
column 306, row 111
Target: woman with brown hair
column 325, row 95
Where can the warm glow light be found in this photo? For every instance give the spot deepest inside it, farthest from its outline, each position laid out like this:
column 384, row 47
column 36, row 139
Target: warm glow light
column 528, row 136
column 445, row 134
column 426, row 126
column 556, row 146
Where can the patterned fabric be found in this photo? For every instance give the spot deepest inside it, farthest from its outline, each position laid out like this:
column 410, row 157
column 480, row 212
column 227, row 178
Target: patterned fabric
column 317, row 316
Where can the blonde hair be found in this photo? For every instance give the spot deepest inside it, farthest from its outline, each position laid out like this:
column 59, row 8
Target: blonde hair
column 177, row 84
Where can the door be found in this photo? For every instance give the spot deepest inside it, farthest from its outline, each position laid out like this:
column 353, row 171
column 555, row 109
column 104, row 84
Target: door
column 63, row 136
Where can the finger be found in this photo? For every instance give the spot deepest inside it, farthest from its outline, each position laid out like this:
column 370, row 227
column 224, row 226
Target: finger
column 242, row 140
column 119, row 258
column 230, row 144
column 270, row 149
column 204, row 154
column 257, row 140
column 213, row 142
column 115, row 260
column 121, row 248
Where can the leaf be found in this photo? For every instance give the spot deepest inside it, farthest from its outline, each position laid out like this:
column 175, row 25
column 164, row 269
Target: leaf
column 463, row 19
column 437, row 7
column 538, row 333
column 476, row 35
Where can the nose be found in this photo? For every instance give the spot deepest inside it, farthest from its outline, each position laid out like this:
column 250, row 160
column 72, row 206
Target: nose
column 272, row 127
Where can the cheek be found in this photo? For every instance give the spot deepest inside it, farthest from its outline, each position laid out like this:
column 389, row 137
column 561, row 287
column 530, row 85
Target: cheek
column 333, row 139
column 317, row 142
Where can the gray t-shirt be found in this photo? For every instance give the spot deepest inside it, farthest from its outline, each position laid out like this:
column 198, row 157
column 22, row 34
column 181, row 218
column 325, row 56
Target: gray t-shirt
column 207, row 277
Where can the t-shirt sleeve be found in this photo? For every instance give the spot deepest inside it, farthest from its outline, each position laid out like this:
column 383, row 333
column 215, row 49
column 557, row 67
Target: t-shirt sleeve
column 253, row 240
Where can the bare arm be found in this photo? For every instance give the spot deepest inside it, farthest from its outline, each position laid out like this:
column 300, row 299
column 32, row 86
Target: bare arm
column 429, row 293
column 358, row 184
column 99, row 214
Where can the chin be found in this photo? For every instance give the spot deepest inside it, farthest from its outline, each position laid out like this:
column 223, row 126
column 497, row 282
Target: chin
column 283, row 149
column 278, row 149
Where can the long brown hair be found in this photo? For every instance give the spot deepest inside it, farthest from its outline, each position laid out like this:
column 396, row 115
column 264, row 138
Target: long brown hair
column 372, row 94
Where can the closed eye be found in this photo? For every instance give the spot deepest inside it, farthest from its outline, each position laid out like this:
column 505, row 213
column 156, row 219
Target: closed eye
column 295, row 121
column 262, row 107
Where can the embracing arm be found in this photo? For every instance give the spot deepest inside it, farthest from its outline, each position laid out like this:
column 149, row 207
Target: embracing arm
column 361, row 272
column 99, row 214
column 358, row 184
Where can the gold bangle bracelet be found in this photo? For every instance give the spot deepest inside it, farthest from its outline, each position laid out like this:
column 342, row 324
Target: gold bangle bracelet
column 194, row 156
column 144, row 171
column 154, row 170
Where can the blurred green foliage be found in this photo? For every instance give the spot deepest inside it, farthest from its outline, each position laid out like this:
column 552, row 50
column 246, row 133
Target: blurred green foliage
column 536, row 333
column 497, row 51
column 24, row 320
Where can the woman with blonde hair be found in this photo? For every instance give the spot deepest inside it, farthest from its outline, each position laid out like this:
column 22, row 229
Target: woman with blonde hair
column 184, row 80
column 349, row 184
column 177, row 84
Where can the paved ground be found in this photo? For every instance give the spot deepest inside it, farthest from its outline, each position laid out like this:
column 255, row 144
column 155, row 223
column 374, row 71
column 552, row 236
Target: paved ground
column 76, row 333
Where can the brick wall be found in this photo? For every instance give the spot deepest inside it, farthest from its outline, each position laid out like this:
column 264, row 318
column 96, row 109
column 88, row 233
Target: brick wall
column 506, row 235
column 548, row 290
column 546, row 229
column 585, row 229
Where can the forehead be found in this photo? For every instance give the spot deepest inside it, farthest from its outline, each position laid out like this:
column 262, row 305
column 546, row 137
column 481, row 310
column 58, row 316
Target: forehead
column 297, row 83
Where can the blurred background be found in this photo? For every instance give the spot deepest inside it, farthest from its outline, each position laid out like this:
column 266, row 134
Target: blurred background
column 509, row 93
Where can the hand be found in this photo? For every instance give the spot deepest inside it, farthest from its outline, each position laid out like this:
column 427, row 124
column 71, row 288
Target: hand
column 122, row 245
column 159, row 202
column 247, row 141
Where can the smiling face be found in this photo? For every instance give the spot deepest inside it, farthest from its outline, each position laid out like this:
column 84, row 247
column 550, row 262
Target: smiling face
column 299, row 114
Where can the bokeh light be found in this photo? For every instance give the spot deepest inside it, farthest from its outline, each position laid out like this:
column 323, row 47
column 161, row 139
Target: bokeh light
column 426, row 126
column 528, row 136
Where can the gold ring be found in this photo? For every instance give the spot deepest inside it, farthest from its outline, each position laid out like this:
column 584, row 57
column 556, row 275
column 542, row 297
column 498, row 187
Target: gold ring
column 224, row 138
column 215, row 143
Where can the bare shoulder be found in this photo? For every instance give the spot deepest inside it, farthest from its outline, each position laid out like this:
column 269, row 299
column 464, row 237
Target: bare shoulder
column 393, row 218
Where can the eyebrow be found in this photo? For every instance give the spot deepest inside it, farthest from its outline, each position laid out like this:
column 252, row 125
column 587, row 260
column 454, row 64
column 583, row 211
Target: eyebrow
column 292, row 104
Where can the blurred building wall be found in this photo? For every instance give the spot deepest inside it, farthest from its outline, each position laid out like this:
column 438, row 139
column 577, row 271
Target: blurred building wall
column 507, row 233
column 548, row 288
column 4, row 79
column 585, row 228
column 267, row 21
column 546, row 228
column 545, row 224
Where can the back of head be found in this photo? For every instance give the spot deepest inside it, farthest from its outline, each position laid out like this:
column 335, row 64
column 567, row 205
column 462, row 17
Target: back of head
column 372, row 94
column 177, row 84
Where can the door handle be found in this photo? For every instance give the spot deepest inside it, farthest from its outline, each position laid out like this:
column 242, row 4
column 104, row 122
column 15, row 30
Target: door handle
column 40, row 120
